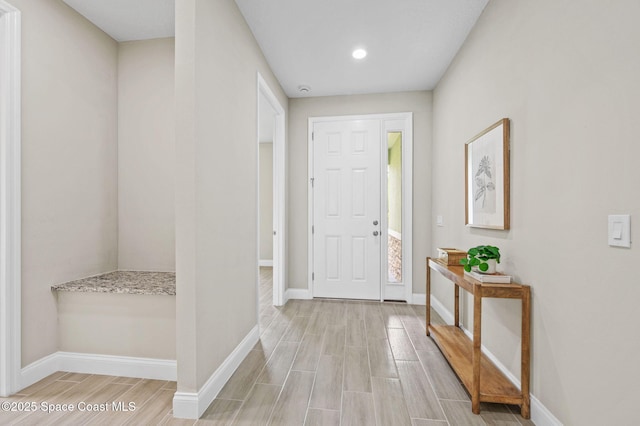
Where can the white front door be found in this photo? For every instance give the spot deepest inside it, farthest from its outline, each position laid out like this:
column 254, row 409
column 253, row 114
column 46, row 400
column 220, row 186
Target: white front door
column 346, row 209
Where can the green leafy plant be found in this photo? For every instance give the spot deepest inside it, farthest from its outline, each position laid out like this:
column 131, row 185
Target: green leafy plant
column 478, row 256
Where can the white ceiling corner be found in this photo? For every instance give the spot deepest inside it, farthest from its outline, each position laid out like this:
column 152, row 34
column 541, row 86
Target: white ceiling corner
column 126, row 20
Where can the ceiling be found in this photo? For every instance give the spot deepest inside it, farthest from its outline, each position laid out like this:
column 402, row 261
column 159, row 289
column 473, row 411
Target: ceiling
column 126, row 20
column 410, row 43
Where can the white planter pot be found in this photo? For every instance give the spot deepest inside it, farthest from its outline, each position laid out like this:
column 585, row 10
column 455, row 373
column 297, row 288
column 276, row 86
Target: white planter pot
column 491, row 270
column 492, row 267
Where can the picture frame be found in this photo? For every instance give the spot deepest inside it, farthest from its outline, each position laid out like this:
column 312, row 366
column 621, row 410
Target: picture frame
column 487, row 178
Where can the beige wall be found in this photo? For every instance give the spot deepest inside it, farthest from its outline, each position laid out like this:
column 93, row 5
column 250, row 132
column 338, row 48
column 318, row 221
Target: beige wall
column 146, row 155
column 135, row 325
column 69, row 154
column 266, row 201
column 566, row 74
column 299, row 112
column 217, row 60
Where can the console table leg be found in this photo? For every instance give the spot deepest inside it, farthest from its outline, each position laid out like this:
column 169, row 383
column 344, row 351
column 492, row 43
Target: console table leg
column 456, row 306
column 477, row 347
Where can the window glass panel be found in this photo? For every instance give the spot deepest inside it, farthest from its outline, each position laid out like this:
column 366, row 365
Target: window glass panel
column 394, row 207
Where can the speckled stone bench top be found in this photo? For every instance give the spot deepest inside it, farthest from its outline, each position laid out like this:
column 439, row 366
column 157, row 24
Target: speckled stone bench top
column 124, row 282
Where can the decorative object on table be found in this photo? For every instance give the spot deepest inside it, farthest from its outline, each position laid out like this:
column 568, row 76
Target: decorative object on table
column 487, row 178
column 482, row 258
column 451, row 256
column 489, row 278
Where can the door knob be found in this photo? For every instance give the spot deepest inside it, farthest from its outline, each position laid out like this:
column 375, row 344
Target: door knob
column 375, row 233
column 375, row 222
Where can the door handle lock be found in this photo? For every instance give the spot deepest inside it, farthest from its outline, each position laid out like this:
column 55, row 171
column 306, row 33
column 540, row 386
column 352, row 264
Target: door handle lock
column 375, row 222
column 375, row 233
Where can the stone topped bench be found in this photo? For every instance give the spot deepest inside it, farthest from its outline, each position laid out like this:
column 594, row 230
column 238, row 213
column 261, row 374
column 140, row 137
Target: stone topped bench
column 124, row 282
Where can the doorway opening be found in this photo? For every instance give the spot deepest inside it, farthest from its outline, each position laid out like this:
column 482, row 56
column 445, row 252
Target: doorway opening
column 360, row 206
column 271, row 202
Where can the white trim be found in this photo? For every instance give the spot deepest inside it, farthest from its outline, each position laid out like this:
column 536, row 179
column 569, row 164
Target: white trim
column 191, row 405
column 387, row 116
column 39, row 369
column 298, row 293
column 446, row 315
column 394, row 234
column 10, row 202
column 540, row 414
column 279, row 190
column 144, row 368
column 310, row 174
column 265, row 262
column 407, row 206
column 403, row 122
column 110, row 365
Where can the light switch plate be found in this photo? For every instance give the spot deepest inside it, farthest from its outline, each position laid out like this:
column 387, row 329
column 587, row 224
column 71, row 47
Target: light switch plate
column 620, row 230
column 439, row 221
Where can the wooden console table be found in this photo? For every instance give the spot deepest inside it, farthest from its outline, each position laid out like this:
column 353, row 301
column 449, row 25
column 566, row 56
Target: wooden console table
column 483, row 380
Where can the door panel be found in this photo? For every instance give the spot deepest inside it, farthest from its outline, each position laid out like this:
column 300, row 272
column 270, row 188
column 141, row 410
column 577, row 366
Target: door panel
column 346, row 200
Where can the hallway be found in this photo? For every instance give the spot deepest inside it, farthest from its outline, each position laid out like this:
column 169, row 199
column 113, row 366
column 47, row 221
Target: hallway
column 318, row 362
column 335, row 362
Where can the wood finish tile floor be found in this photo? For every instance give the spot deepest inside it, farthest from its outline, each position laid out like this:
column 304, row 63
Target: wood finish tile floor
column 318, row 362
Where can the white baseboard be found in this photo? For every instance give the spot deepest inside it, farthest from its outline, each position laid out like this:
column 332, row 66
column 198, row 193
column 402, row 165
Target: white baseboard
column 39, row 369
column 191, row 405
column 298, row 293
column 265, row 262
column 144, row 368
column 540, row 415
column 446, row 315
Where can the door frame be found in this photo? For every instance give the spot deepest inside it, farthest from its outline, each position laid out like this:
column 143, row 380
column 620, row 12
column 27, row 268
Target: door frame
column 10, row 202
column 279, row 197
column 388, row 122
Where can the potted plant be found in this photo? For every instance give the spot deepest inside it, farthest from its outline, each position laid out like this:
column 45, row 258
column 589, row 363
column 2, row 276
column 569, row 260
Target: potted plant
column 482, row 258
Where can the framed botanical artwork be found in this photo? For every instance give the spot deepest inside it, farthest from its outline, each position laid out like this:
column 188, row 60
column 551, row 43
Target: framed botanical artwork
column 487, row 178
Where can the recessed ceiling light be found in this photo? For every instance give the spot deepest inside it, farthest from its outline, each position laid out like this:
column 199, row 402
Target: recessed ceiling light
column 359, row 53
column 304, row 89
